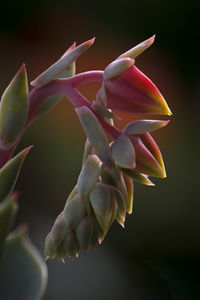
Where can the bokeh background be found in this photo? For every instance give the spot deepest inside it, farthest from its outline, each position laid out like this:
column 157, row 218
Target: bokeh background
column 157, row 255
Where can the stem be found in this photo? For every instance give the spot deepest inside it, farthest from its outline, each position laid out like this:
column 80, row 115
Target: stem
column 90, row 76
column 66, row 87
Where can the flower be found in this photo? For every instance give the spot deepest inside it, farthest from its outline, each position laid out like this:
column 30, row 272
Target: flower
column 125, row 88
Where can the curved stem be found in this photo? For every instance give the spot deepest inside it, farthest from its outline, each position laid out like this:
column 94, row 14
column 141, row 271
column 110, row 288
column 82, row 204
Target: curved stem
column 90, row 76
column 66, row 87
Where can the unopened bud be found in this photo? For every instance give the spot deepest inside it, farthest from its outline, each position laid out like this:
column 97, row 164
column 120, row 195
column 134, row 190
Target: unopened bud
column 73, row 212
column 89, row 176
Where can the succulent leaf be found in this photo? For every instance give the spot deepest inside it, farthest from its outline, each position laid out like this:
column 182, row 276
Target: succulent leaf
column 95, row 134
column 9, row 173
column 23, row 273
column 8, row 209
column 63, row 63
column 14, row 110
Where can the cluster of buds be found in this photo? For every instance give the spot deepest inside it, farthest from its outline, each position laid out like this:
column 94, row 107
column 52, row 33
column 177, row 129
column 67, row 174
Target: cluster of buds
column 113, row 159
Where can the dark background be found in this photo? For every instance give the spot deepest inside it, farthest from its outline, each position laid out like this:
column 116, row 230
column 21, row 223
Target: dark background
column 157, row 255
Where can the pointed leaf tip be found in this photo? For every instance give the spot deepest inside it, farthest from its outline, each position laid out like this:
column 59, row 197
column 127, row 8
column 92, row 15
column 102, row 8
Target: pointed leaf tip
column 138, row 49
column 9, row 173
column 61, row 64
column 14, row 109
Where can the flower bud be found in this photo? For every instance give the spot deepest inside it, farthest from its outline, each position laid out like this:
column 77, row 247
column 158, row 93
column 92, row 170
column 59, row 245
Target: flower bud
column 89, row 176
column 59, row 230
column 146, row 163
column 73, row 212
column 71, row 245
column 101, row 204
column 84, row 232
column 121, row 206
column 123, row 152
column 50, row 249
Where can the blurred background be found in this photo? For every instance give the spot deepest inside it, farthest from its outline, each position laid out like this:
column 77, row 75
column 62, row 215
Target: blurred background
column 156, row 256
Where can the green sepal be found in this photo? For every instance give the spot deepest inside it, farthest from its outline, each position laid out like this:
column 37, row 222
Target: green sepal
column 8, row 209
column 141, row 178
column 14, row 110
column 9, row 173
column 117, row 67
column 95, row 134
column 143, row 126
column 89, row 176
column 138, row 49
column 123, row 152
column 23, row 273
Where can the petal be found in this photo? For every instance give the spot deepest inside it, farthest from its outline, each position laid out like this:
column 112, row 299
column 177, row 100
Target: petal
column 151, row 145
column 146, row 86
column 145, row 161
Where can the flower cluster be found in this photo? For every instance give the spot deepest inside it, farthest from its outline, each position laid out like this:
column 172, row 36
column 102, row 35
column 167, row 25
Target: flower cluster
column 104, row 191
column 113, row 159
